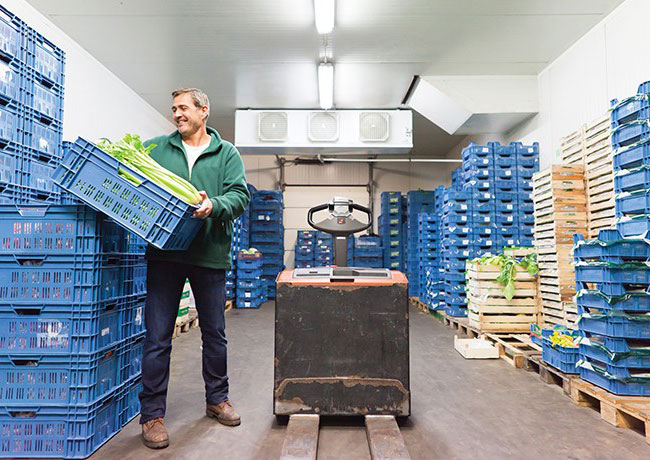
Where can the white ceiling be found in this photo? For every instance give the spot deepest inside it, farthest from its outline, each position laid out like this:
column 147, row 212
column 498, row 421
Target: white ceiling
column 263, row 54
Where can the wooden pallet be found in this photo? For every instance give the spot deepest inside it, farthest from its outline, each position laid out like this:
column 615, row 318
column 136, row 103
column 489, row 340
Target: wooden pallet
column 417, row 303
column 550, row 375
column 621, row 411
column 185, row 325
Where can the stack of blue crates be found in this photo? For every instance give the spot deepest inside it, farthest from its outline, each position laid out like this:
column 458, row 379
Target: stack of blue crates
column 323, row 249
column 70, row 350
column 267, row 234
column 391, row 229
column 630, row 120
column 240, row 240
column 613, row 285
column 304, row 251
column 367, row 251
column 72, row 282
column 418, row 202
column 251, row 288
column 457, row 179
column 31, row 114
column 429, row 244
column 457, row 240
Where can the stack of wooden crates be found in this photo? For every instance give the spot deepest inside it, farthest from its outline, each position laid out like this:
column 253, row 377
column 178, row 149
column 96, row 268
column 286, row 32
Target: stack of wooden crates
column 560, row 212
column 599, row 175
column 489, row 310
column 591, row 146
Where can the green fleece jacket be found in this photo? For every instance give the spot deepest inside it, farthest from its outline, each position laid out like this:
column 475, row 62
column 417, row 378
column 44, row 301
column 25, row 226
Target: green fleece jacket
column 219, row 171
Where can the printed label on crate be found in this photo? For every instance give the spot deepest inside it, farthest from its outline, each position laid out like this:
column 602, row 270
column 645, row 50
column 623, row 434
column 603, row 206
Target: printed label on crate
column 247, row 294
column 465, row 241
column 106, row 331
column 508, row 173
column 138, row 316
column 463, row 207
column 509, row 206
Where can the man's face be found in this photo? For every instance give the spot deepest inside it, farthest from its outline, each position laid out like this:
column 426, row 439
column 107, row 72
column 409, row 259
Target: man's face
column 187, row 116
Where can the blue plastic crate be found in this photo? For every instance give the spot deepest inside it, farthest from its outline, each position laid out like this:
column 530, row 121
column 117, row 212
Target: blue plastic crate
column 306, row 235
column 620, row 325
column 477, row 151
column 562, row 358
column 262, row 226
column 267, row 249
column 488, row 174
column 617, row 386
column 250, row 262
column 301, row 264
column 129, row 403
column 266, row 237
column 63, row 431
column 147, row 209
column 59, row 380
column 45, row 100
column 248, row 303
column 135, row 274
column 266, row 216
column 456, row 311
column 249, row 274
column 250, row 283
column 10, row 168
column 368, row 252
column 632, row 156
column 132, row 322
column 251, row 293
column 54, row 279
column 528, row 163
column 632, row 302
column 10, row 124
column 45, row 58
column 34, row 329
column 43, row 135
column 12, row 34
column 632, row 180
column 630, row 133
column 476, row 163
column 597, row 272
column 612, row 247
column 633, row 108
column 594, row 348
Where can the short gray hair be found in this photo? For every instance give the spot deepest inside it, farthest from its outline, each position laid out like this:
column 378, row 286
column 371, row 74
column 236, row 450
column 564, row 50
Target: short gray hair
column 199, row 97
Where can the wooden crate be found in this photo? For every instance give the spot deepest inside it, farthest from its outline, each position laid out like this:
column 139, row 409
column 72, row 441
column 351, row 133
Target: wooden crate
column 572, row 148
column 518, row 252
column 487, row 308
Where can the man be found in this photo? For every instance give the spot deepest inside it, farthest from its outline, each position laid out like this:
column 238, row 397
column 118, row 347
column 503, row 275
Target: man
column 196, row 153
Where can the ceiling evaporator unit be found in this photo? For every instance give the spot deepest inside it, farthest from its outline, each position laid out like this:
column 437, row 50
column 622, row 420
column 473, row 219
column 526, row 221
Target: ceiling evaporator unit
column 314, row 131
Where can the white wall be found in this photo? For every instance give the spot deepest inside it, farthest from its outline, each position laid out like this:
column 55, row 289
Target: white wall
column 608, row 62
column 97, row 103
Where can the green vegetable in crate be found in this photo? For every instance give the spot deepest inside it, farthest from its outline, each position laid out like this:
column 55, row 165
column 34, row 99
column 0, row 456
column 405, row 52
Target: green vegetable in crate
column 508, row 266
column 132, row 152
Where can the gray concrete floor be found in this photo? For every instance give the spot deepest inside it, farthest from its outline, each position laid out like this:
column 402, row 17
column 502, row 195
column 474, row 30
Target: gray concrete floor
column 461, row 409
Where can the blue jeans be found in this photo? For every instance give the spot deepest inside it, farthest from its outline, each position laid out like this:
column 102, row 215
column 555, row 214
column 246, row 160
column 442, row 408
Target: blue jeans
column 165, row 282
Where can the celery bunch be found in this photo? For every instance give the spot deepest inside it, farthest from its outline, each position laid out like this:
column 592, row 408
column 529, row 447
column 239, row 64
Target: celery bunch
column 132, row 152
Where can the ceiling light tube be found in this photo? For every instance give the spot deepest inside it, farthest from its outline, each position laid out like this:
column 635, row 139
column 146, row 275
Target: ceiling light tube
column 324, row 11
column 326, row 85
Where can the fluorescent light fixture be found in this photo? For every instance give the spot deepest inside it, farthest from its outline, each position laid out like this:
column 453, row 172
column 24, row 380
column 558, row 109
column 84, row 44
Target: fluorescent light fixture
column 324, row 11
column 326, row 85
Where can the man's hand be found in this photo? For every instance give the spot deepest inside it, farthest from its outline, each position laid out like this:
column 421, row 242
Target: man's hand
column 206, row 206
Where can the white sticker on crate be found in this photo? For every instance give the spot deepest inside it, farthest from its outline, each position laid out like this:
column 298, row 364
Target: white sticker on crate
column 508, row 172
column 463, row 206
column 138, row 316
column 106, row 331
column 247, row 294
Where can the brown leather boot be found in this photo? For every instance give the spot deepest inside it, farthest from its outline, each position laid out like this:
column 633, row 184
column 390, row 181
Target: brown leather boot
column 224, row 413
column 154, row 434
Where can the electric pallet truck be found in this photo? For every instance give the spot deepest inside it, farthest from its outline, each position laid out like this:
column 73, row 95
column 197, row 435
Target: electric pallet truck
column 342, row 344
